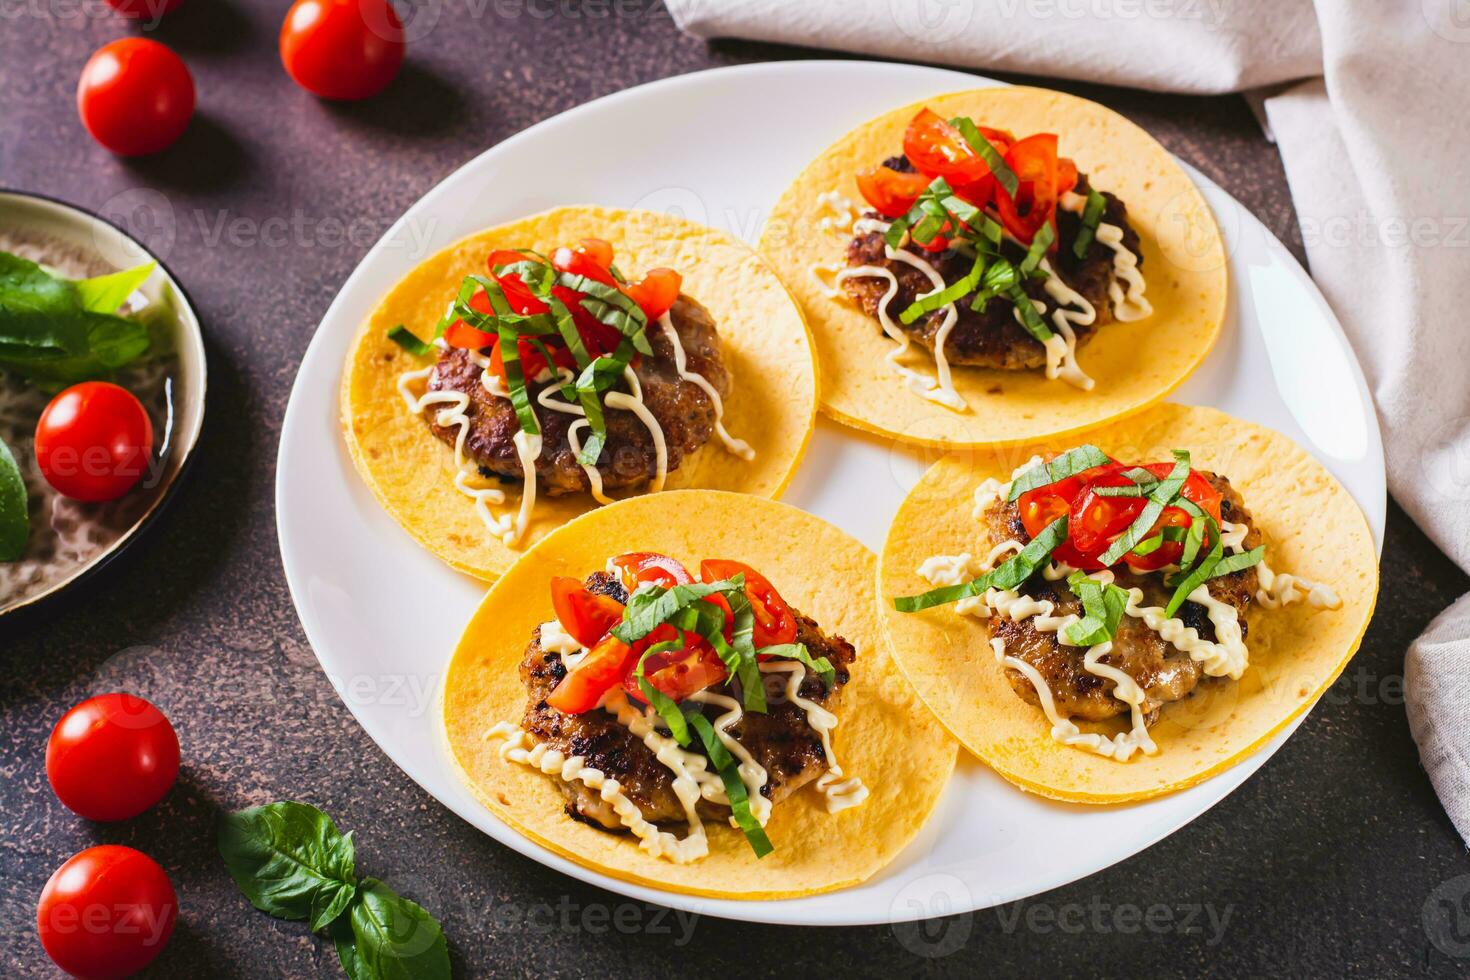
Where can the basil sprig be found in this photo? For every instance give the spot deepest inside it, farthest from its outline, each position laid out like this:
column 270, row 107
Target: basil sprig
column 1103, row 605
column 291, row 862
column 1068, row 464
column 735, row 791
column 15, row 516
column 1091, row 218
column 1008, row 575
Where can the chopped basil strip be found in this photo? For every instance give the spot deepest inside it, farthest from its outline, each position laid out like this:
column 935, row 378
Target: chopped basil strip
column 1141, row 476
column 1160, row 497
column 1004, row 175
column 598, row 377
column 938, row 299
column 1194, row 539
column 1007, row 576
column 1091, row 217
column 898, row 228
column 1231, row 564
column 662, row 703
column 1201, row 573
column 821, row 666
column 566, row 327
column 742, row 643
column 515, row 381
column 1030, row 319
column 409, row 341
column 735, row 791
column 1103, row 606
column 652, row 606
column 1149, row 545
column 1133, row 490
column 1044, row 237
column 1068, row 464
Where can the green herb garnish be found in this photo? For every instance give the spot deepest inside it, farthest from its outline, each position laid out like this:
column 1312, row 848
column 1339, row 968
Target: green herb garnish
column 409, row 341
column 1068, row 464
column 1005, row 576
column 1161, row 496
column 15, row 517
column 930, row 302
column 1039, row 244
column 735, row 791
column 1103, row 605
column 1091, row 217
column 986, row 150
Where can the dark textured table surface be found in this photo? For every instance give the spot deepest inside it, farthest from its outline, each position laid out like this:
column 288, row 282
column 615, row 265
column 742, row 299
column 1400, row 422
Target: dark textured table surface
column 1335, row 859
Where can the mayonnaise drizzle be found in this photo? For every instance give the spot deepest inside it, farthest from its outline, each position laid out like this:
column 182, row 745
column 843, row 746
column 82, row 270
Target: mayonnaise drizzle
column 465, row 471
column 840, row 791
column 1132, row 305
column 738, row 447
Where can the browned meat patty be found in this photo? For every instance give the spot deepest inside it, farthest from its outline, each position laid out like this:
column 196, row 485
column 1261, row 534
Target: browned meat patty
column 682, row 408
column 1163, row 672
column 991, row 338
column 780, row 740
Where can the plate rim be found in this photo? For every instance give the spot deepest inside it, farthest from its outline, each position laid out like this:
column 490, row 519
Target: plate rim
column 758, row 911
column 25, row 612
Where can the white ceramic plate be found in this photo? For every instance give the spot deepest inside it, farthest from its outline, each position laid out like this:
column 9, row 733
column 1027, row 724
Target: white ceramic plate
column 720, row 146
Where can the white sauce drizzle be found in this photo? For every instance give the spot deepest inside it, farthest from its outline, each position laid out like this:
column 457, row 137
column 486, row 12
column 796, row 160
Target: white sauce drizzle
column 752, row 773
column 738, row 447
column 1132, row 305
column 840, row 791
column 465, row 471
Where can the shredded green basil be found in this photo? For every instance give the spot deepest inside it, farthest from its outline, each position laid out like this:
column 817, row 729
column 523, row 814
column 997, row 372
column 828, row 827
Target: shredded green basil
column 820, row 666
column 1103, row 606
column 1091, row 217
column 1031, row 263
column 1030, row 319
column 409, row 341
column 667, row 709
column 938, row 299
column 735, row 790
column 1231, row 564
column 1161, row 496
column 1005, row 576
column 1201, row 573
column 1068, row 464
column 986, row 150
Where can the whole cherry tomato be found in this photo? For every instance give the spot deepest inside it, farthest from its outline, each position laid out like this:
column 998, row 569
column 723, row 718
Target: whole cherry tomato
column 342, row 49
column 135, row 96
column 94, row 441
column 112, row 757
column 106, row 913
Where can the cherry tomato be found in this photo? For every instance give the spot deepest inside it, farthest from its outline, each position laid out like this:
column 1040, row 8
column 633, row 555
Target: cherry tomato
column 1168, row 552
column 135, row 96
column 891, row 192
column 678, row 673
column 94, row 442
column 598, row 337
column 1066, row 175
column 650, row 568
column 342, row 49
column 1196, row 488
column 774, row 621
column 580, row 263
column 599, row 671
column 1096, row 520
column 461, row 334
column 938, row 149
column 587, row 615
column 107, row 912
column 143, row 9
column 597, row 250
column 112, row 757
column 1034, row 160
column 656, row 292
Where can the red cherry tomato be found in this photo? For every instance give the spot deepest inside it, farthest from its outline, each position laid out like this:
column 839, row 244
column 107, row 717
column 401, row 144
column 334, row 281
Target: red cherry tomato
column 938, row 149
column 1168, row 552
column 656, row 292
column 581, row 263
column 112, row 757
column 135, row 96
column 600, row 670
column 677, row 673
column 890, row 192
column 342, row 49
column 107, row 912
column 587, row 615
column 94, row 442
column 650, row 568
column 144, row 9
column 1034, row 160
column 774, row 621
column 1066, row 175
column 597, row 250
column 461, row 334
column 1196, row 488
column 1096, row 520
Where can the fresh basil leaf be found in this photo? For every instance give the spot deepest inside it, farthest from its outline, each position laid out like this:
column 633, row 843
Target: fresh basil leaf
column 1160, row 497
column 395, row 939
column 515, row 380
column 667, row 709
column 950, row 294
column 1030, row 319
column 735, row 791
column 1039, row 244
column 346, row 944
column 105, row 294
column 1006, row 576
column 1103, row 605
column 820, row 666
column 1068, row 464
column 1201, row 572
column 598, row 377
column 742, row 644
column 15, row 517
column 1239, row 562
column 1004, row 175
column 652, row 606
column 290, row 861
column 48, row 336
column 409, row 341
column 1091, row 218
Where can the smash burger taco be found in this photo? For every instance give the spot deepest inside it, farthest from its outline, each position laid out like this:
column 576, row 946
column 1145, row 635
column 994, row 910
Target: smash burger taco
column 997, row 266
column 540, row 369
column 1132, row 615
column 674, row 690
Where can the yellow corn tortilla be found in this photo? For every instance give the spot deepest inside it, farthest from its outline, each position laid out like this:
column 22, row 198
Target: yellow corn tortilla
column 885, row 736
column 764, row 342
column 1311, row 526
column 1134, row 364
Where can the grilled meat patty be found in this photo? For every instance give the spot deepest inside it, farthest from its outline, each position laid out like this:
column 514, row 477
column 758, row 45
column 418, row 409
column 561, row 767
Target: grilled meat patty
column 780, row 740
column 991, row 338
column 1163, row 672
column 683, row 409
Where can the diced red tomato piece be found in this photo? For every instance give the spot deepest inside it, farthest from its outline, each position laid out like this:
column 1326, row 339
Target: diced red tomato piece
column 600, row 671
column 937, row 149
column 650, row 568
column 774, row 621
column 586, row 615
column 582, row 264
column 677, row 673
column 890, row 192
column 1167, row 553
column 656, row 292
column 1034, row 161
column 597, row 250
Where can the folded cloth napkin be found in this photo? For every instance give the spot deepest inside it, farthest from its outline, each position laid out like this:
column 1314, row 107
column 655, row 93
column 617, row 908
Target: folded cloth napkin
column 1375, row 136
